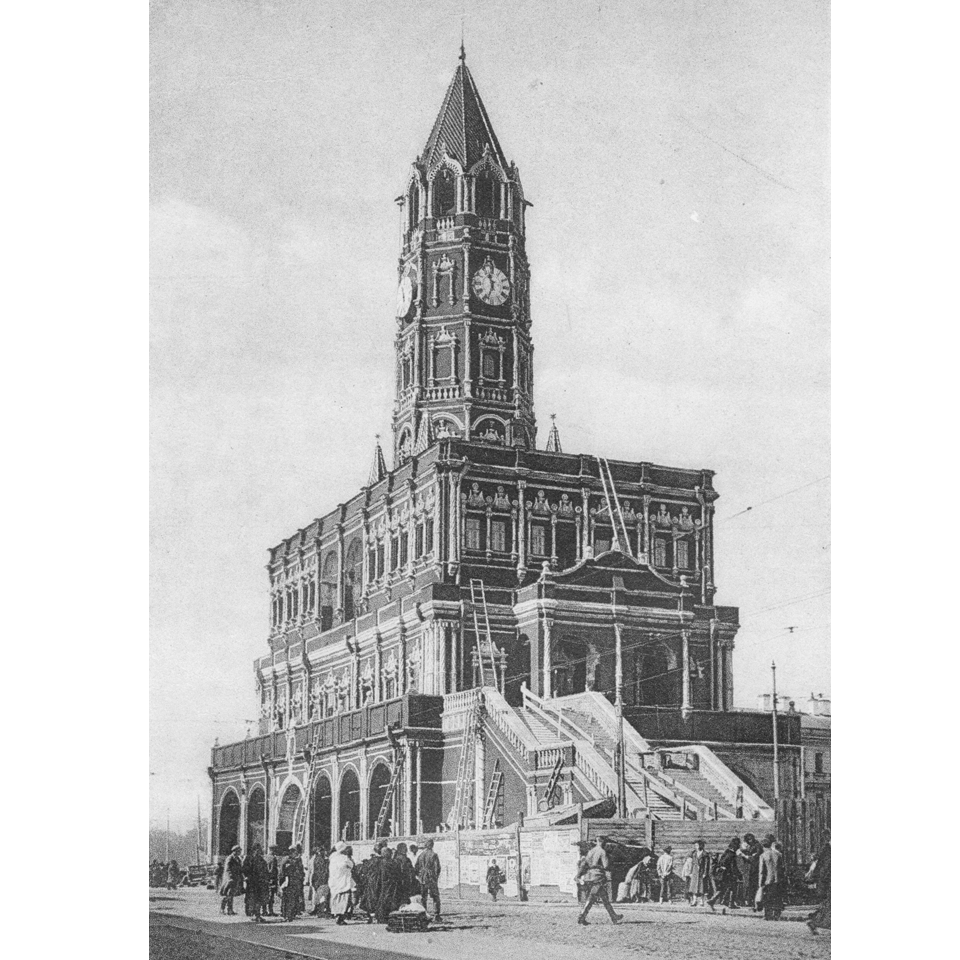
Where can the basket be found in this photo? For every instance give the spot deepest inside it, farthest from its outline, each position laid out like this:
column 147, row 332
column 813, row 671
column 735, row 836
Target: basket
column 398, row 922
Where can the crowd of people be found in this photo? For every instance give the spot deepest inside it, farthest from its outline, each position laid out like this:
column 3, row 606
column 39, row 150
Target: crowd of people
column 330, row 884
column 749, row 874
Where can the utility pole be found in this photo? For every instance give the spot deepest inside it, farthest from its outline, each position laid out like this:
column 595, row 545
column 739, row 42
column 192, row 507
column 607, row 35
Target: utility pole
column 168, row 837
column 199, row 861
column 618, row 703
column 776, row 752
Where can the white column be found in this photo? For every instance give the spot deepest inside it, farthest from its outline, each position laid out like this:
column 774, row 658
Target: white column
column 547, row 661
column 685, row 707
column 478, row 790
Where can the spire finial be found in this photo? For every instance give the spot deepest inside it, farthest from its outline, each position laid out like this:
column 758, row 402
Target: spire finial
column 553, row 439
column 463, row 52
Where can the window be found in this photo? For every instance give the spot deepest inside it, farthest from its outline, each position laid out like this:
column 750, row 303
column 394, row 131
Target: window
column 602, row 541
column 418, row 541
column 413, row 206
column 445, row 193
column 487, row 192
column 372, row 562
column 490, row 365
column 394, row 552
column 538, row 540
column 473, row 533
column 428, row 537
column 818, row 763
column 380, row 559
column 683, row 554
column 659, row 552
column 443, row 366
column 498, row 536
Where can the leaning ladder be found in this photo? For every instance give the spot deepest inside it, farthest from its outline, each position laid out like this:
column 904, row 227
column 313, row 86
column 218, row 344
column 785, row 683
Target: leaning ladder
column 460, row 814
column 621, row 537
column 391, row 790
column 554, row 780
column 303, row 805
column 478, row 598
column 493, row 797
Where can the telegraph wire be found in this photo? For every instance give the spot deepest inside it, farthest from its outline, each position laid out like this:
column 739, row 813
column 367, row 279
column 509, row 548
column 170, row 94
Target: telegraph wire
column 779, row 496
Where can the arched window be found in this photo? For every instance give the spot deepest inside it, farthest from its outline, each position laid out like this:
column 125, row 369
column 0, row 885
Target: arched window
column 487, row 195
column 328, row 591
column 413, row 206
column 256, row 814
column 379, row 781
column 445, row 193
column 352, row 578
column 349, row 806
column 229, row 822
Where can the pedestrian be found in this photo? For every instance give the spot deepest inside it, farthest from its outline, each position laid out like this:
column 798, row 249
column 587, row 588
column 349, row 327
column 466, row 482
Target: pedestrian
column 686, row 874
column 665, row 873
column 495, row 879
column 770, row 888
column 342, row 884
column 748, row 862
column 371, row 872
column 726, row 877
column 291, row 886
column 173, row 875
column 320, row 882
column 579, row 880
column 391, row 885
column 428, row 873
column 409, row 887
column 820, row 871
column 700, row 873
column 218, row 875
column 273, row 876
column 249, row 890
column 232, row 881
column 596, row 873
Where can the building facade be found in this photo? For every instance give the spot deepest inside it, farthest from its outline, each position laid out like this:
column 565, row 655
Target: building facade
column 446, row 648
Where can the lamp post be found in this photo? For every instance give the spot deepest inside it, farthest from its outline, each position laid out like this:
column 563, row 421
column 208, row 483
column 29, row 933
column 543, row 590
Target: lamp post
column 776, row 752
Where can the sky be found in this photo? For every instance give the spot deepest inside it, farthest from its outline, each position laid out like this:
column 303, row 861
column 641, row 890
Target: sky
column 677, row 158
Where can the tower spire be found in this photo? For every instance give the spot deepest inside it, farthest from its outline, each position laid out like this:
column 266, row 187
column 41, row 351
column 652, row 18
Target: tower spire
column 553, row 439
column 378, row 469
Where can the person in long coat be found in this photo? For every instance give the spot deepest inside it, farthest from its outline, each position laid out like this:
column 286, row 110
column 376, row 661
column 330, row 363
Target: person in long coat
column 291, row 882
column 771, row 881
column 748, row 861
column 700, row 874
column 232, row 881
column 726, row 877
column 320, row 882
column 495, row 880
column 258, row 883
column 371, row 871
column 273, row 876
column 342, row 884
column 249, row 891
column 409, row 888
column 391, row 885
column 821, row 873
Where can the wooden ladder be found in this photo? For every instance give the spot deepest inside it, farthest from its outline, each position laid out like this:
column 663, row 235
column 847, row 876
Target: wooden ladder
column 391, row 790
column 478, row 599
column 554, row 780
column 493, row 797
column 303, row 806
column 460, row 812
column 621, row 537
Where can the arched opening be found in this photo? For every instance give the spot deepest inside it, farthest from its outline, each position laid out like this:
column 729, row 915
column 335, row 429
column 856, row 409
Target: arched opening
column 379, row 781
column 287, row 817
column 321, row 815
column 256, row 817
column 349, row 807
column 487, row 195
column 445, row 193
column 413, row 206
column 328, row 591
column 569, row 660
column 352, row 578
column 229, row 823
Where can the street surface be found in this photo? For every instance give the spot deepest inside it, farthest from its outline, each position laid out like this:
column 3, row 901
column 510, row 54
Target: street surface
column 187, row 925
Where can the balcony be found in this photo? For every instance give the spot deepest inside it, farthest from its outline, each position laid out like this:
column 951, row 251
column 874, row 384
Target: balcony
column 367, row 723
column 712, row 726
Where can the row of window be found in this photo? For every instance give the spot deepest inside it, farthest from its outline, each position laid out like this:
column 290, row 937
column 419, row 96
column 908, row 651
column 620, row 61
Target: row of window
column 399, row 553
column 666, row 553
column 489, row 198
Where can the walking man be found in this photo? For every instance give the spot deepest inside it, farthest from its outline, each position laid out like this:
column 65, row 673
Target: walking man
column 596, row 876
column 820, row 871
column 232, row 881
column 428, row 873
column 727, row 877
column 665, row 873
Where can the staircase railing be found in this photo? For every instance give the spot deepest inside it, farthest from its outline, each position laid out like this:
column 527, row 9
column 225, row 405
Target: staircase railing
column 508, row 723
column 727, row 783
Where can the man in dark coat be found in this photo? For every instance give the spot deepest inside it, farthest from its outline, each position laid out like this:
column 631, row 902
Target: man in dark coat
column 410, row 887
column 821, row 873
column 273, row 877
column 726, row 877
column 232, row 881
column 748, row 862
column 258, row 883
column 320, row 882
column 249, row 890
column 391, row 886
column 291, row 880
column 372, row 871
column 428, row 873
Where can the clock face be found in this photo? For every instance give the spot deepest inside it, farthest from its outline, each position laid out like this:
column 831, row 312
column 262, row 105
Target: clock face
column 490, row 284
column 404, row 297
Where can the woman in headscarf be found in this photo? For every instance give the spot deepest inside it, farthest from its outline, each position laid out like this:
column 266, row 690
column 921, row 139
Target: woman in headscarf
column 341, row 881
column 391, row 884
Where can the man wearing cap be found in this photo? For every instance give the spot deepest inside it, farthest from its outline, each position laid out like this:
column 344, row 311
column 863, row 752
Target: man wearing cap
column 428, row 873
column 596, row 874
column 232, row 881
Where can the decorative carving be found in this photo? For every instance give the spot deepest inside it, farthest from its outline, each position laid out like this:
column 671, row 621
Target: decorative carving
column 540, row 504
column 475, row 496
column 501, row 501
column 565, row 507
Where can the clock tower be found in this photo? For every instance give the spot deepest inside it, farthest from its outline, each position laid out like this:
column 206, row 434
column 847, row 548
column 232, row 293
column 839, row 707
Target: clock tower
column 463, row 347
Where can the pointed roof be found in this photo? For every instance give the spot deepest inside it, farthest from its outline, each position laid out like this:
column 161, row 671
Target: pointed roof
column 462, row 126
column 379, row 468
column 553, row 440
